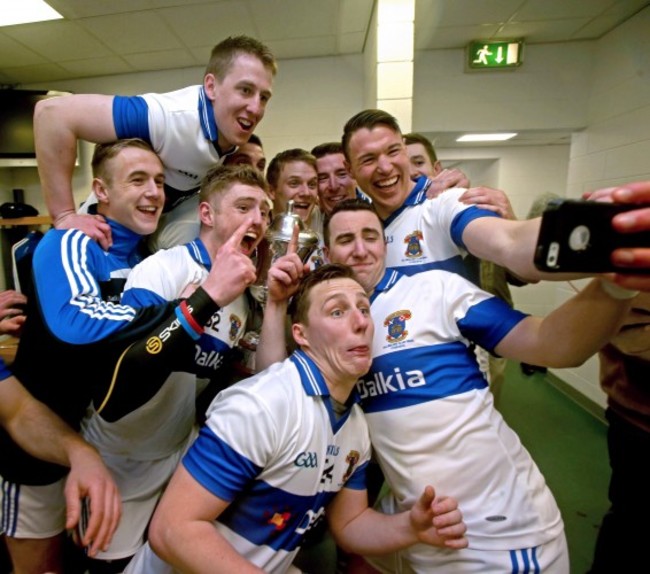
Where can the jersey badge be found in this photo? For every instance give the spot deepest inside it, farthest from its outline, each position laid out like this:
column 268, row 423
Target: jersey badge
column 235, row 325
column 279, row 520
column 396, row 325
column 352, row 459
column 413, row 245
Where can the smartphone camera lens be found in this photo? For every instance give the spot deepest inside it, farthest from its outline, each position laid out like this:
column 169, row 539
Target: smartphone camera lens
column 552, row 255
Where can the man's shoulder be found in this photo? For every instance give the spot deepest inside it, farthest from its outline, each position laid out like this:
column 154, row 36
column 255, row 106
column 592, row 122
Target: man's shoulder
column 181, row 98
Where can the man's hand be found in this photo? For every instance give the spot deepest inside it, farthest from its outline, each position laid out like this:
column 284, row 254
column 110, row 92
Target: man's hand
column 446, row 179
column 490, row 199
column 232, row 271
column 286, row 272
column 438, row 521
column 11, row 316
column 94, row 226
column 89, row 479
column 630, row 222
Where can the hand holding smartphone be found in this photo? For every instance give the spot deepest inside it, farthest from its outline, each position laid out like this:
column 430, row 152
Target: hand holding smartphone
column 577, row 236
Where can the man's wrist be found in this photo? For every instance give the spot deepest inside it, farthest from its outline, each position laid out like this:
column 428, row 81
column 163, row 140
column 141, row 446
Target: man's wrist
column 63, row 215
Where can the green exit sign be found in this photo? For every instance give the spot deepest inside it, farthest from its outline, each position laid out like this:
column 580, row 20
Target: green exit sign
column 494, row 55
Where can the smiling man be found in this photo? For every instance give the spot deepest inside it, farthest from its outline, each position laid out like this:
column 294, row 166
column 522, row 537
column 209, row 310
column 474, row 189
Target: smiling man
column 142, row 446
column 192, row 129
column 431, row 415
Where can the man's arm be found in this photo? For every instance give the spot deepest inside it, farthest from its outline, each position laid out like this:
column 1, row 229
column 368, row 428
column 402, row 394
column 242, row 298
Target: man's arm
column 28, row 421
column 362, row 530
column 571, row 333
column 182, row 531
column 58, row 124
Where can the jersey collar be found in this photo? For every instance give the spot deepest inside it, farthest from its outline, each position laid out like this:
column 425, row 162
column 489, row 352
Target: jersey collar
column 209, row 122
column 312, row 379
column 418, row 195
column 390, row 278
column 199, row 253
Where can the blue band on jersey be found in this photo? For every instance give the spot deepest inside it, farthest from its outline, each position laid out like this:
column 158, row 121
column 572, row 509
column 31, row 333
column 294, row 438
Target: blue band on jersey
column 199, row 253
column 206, row 117
column 416, row 196
column 131, row 117
column 478, row 324
column 218, row 467
column 464, row 218
column 418, row 375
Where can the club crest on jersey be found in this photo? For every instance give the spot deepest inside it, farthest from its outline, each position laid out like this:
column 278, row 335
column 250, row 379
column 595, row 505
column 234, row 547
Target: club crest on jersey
column 279, row 520
column 413, row 246
column 235, row 325
column 352, row 459
column 316, row 261
column 396, row 324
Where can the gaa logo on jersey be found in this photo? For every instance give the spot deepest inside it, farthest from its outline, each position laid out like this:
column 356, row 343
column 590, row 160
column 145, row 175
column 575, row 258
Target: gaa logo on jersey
column 235, row 325
column 413, row 246
column 396, row 323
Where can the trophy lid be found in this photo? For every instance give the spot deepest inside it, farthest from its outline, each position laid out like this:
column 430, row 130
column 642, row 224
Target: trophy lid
column 281, row 229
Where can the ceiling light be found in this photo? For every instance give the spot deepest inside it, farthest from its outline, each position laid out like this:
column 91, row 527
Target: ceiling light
column 25, row 12
column 486, row 137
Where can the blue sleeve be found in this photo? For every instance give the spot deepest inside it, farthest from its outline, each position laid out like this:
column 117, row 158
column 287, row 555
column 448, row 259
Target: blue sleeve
column 67, row 265
column 131, row 117
column 489, row 321
column 218, row 467
column 5, row 373
column 465, row 217
column 358, row 479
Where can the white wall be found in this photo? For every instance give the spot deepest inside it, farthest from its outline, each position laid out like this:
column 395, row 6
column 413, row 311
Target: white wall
column 614, row 148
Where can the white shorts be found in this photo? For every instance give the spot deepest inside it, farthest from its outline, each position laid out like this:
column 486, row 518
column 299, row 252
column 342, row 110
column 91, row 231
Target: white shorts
column 549, row 558
column 140, row 484
column 32, row 511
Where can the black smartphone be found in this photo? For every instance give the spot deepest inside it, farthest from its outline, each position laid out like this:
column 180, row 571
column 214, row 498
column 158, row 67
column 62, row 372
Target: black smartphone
column 577, row 236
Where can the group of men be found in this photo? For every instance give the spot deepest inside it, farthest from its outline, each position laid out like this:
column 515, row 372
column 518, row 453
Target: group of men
column 383, row 340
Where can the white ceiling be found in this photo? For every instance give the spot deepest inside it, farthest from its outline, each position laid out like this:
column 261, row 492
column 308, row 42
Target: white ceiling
column 104, row 37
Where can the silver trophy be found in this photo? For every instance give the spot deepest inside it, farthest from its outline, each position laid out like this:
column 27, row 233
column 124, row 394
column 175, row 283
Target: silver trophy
column 274, row 245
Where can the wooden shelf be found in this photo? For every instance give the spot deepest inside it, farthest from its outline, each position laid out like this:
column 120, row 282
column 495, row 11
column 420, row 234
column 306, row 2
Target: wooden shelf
column 17, row 221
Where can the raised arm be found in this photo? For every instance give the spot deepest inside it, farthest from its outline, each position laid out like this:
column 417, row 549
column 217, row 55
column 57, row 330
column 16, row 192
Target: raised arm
column 182, row 530
column 28, row 421
column 58, row 124
column 362, row 530
column 573, row 332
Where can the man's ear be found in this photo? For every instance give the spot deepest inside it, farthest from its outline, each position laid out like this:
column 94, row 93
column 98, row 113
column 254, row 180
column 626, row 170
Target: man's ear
column 209, row 82
column 298, row 332
column 100, row 191
column 206, row 214
column 326, row 252
column 437, row 167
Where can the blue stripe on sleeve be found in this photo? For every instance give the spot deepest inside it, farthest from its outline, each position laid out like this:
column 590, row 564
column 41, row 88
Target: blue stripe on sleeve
column 465, row 217
column 131, row 117
column 489, row 321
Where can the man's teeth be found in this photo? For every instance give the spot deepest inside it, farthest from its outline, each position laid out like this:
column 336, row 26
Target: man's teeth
column 387, row 182
column 246, row 124
column 149, row 208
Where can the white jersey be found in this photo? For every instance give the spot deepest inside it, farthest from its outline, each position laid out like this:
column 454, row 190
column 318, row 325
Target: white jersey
column 143, row 448
column 425, row 386
column 427, row 234
column 280, row 473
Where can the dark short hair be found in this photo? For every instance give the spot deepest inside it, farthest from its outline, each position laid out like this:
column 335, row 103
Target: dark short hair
column 416, row 138
column 299, row 307
column 106, row 151
column 352, row 204
column 224, row 53
column 367, row 119
column 328, row 148
column 255, row 140
column 285, row 157
column 221, row 177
